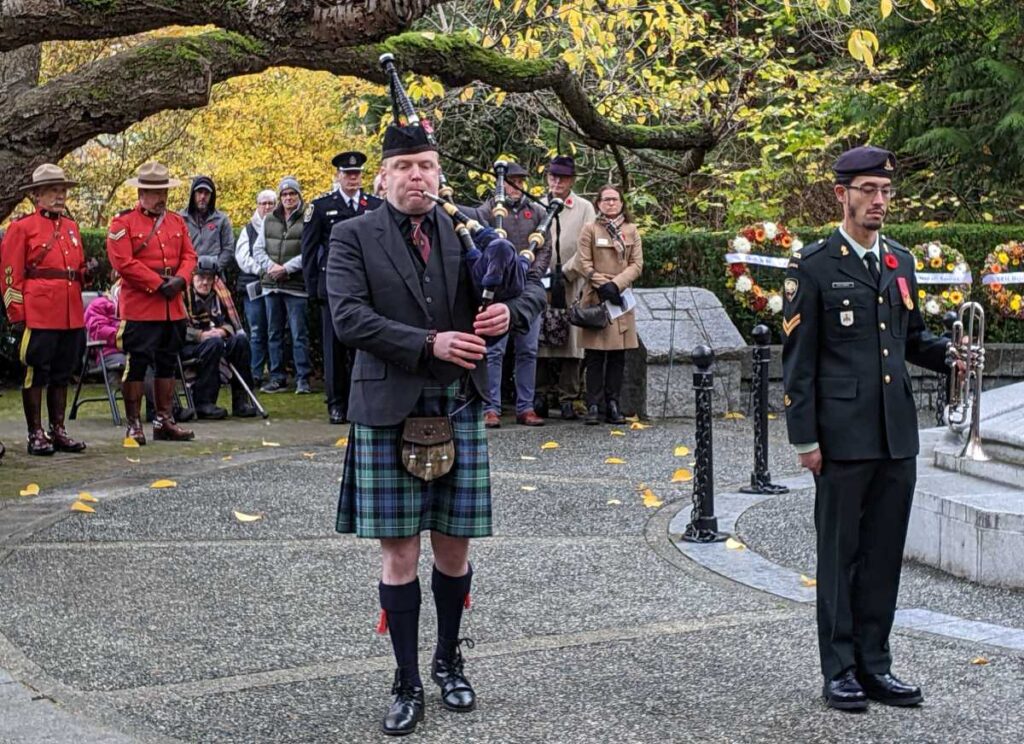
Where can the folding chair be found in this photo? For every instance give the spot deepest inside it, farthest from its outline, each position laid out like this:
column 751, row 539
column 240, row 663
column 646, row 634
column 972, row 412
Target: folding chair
column 186, row 387
column 93, row 350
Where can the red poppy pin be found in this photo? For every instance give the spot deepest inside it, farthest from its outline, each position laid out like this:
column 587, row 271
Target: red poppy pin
column 890, row 261
column 362, row 202
column 211, row 226
column 527, row 214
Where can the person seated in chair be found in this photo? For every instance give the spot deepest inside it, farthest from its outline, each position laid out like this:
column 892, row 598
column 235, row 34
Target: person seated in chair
column 215, row 334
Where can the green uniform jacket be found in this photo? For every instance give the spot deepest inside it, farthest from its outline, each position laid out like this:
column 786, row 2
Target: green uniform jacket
column 845, row 351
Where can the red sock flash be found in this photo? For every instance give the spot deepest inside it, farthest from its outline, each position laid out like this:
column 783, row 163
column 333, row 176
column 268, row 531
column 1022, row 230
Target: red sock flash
column 382, row 624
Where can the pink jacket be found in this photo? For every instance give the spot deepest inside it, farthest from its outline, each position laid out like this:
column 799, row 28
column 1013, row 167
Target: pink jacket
column 102, row 324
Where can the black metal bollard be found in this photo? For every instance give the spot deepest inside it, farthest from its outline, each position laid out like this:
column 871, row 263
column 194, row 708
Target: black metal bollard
column 942, row 394
column 761, row 479
column 703, row 526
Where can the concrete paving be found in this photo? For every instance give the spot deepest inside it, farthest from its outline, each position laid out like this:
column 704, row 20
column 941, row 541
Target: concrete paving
column 161, row 618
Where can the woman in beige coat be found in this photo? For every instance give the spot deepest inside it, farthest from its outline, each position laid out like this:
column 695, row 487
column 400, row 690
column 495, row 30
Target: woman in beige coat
column 611, row 257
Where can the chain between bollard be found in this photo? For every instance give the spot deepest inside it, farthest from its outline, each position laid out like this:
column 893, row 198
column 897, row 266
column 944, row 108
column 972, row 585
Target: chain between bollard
column 703, row 526
column 760, row 478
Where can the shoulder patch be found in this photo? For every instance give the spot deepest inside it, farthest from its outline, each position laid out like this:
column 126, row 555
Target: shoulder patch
column 308, row 214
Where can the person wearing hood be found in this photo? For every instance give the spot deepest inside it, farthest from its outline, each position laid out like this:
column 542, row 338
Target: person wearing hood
column 208, row 228
column 249, row 270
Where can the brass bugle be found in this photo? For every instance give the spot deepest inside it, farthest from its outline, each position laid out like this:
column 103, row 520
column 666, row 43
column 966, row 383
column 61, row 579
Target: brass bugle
column 963, row 412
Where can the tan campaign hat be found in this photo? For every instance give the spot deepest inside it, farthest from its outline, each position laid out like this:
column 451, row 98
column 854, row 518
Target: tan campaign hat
column 47, row 174
column 153, row 176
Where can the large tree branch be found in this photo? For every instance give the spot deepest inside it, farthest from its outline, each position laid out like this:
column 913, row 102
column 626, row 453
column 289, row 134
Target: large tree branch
column 343, row 22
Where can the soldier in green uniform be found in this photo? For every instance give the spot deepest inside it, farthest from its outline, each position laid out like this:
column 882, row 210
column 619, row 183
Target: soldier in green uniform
column 850, row 323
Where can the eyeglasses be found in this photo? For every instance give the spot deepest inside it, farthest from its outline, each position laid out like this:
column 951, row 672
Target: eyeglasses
column 286, row 194
column 869, row 191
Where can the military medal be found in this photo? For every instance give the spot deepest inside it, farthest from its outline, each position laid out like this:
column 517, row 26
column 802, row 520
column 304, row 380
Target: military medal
column 908, row 302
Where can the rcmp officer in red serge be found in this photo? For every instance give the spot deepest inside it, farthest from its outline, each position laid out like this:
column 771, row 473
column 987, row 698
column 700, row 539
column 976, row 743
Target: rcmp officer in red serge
column 401, row 295
column 151, row 250
column 850, row 323
column 43, row 272
column 343, row 203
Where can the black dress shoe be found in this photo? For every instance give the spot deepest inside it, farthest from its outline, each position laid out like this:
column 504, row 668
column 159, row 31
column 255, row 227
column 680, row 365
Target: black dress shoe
column 845, row 693
column 612, row 414
column 888, row 690
column 336, row 415
column 407, row 709
column 540, row 406
column 210, row 412
column 456, row 692
column 568, row 412
column 593, row 416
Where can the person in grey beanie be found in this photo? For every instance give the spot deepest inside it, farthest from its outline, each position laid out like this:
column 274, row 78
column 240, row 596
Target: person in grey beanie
column 278, row 253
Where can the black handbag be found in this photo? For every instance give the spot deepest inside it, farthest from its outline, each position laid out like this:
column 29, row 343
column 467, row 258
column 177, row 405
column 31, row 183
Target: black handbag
column 594, row 317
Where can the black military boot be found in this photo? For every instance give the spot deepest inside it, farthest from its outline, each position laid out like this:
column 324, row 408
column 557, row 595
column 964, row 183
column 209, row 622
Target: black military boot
column 406, row 710
column 38, row 442
column 56, row 403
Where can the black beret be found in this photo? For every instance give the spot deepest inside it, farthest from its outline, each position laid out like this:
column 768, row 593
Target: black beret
column 516, row 171
column 864, row 161
column 349, row 161
column 407, row 140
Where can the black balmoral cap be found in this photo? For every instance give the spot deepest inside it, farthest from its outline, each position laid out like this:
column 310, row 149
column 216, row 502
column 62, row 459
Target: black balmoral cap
column 864, row 161
column 349, row 161
column 407, row 140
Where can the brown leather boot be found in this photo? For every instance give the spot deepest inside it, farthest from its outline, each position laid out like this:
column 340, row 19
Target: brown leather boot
column 38, row 442
column 56, row 403
column 164, row 427
column 132, row 393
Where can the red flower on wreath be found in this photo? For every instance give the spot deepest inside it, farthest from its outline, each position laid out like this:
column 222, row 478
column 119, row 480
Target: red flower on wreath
column 890, row 261
column 737, row 269
column 759, row 303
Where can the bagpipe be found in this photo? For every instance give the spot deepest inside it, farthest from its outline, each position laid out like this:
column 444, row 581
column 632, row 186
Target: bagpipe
column 497, row 272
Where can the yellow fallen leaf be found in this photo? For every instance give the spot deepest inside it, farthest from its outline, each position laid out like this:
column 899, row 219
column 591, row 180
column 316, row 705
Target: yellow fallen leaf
column 637, row 426
column 226, row 458
column 271, row 444
column 614, row 502
column 80, row 507
column 163, row 483
column 529, row 488
column 134, row 460
column 342, row 442
column 650, row 500
column 549, row 445
column 88, row 497
column 682, row 475
column 614, row 461
column 808, row 581
column 617, row 433
column 734, row 415
column 772, row 417
column 734, row 544
column 32, row 489
column 527, row 457
column 309, row 455
column 979, row 661
column 682, row 451
column 632, row 418
column 243, row 517
column 130, row 443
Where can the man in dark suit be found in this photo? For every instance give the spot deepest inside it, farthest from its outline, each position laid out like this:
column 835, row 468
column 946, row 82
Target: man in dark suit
column 851, row 322
column 401, row 295
column 342, row 203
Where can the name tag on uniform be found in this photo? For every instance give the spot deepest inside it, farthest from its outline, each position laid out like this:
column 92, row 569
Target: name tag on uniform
column 846, row 317
column 332, row 212
column 603, row 241
column 842, row 285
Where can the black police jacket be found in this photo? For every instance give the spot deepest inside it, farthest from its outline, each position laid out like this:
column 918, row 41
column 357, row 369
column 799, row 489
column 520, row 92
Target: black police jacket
column 846, row 344
column 321, row 215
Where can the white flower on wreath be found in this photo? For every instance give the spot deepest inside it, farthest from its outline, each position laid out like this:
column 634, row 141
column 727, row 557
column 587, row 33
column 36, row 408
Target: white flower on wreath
column 744, row 284
column 741, row 244
column 932, row 307
column 934, row 250
column 775, row 303
column 797, row 245
column 770, row 230
column 961, row 268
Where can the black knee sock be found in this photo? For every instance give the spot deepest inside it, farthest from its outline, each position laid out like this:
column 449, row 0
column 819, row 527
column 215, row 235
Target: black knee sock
column 449, row 597
column 402, row 605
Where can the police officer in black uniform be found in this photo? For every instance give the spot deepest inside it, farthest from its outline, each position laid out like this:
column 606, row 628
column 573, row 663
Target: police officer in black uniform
column 851, row 322
column 344, row 202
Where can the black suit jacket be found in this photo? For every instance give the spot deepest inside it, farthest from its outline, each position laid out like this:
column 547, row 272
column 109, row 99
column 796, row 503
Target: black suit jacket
column 846, row 343
column 378, row 307
column 321, row 215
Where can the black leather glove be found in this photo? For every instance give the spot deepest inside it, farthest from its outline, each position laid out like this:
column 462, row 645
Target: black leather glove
column 609, row 292
column 18, row 327
column 172, row 287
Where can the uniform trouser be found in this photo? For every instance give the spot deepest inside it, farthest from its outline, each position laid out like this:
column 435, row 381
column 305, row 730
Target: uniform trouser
column 337, row 362
column 151, row 343
column 861, row 511
column 50, row 356
column 604, row 375
column 526, row 345
column 210, row 352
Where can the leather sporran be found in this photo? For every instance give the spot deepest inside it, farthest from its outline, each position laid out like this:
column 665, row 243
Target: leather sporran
column 554, row 327
column 590, row 316
column 428, row 447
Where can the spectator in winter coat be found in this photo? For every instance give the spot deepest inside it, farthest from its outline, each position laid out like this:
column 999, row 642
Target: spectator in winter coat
column 208, row 228
column 255, row 307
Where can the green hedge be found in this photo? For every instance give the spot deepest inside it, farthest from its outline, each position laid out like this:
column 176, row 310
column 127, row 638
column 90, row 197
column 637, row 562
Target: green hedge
column 697, row 258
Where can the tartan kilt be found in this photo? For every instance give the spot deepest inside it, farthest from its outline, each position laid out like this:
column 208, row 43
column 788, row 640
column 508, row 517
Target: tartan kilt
column 379, row 498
